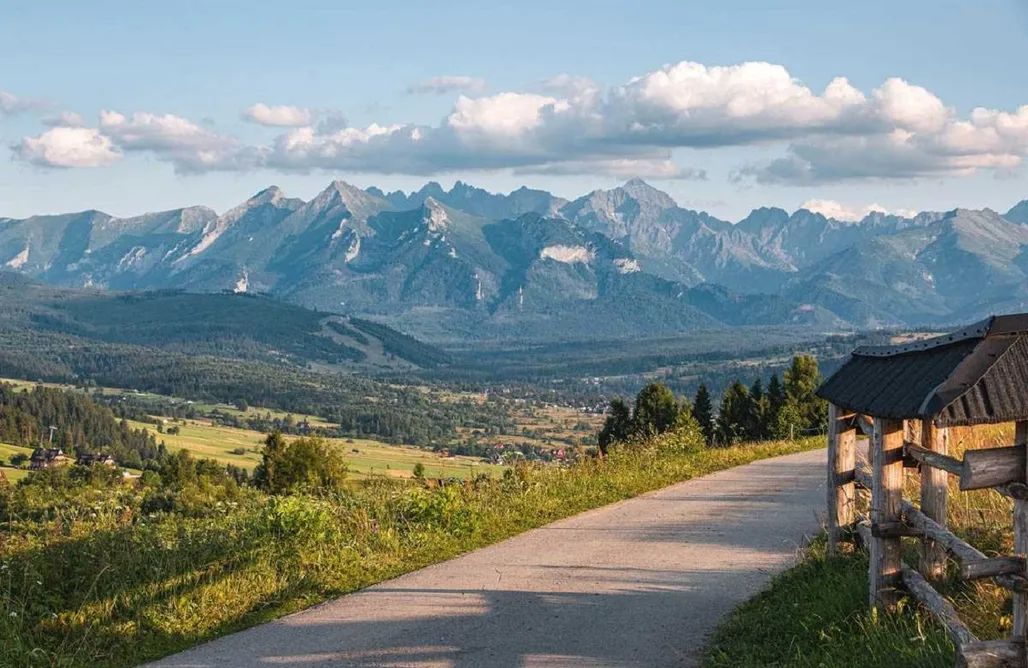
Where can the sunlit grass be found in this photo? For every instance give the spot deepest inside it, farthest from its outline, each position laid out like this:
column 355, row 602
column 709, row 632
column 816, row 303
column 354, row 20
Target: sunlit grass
column 113, row 588
column 816, row 615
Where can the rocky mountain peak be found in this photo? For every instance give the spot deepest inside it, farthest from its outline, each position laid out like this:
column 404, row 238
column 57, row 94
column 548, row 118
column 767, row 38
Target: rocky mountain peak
column 1018, row 213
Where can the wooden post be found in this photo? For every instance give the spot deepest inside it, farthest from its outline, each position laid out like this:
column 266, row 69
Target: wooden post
column 934, row 493
column 842, row 464
column 886, row 505
column 1021, row 545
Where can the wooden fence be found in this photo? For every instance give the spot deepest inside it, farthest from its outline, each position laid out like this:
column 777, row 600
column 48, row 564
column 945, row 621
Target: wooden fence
column 892, row 517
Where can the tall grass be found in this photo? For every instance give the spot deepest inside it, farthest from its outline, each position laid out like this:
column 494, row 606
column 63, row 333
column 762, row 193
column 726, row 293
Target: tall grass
column 817, row 614
column 106, row 585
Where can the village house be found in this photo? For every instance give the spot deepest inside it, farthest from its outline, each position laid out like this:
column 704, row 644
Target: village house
column 90, row 460
column 43, row 458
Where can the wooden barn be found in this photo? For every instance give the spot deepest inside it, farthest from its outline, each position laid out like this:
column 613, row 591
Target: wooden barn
column 905, row 399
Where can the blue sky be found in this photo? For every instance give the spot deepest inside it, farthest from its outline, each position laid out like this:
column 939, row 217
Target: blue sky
column 178, row 78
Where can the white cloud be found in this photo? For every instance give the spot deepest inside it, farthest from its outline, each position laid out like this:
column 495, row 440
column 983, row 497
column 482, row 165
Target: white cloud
column 278, row 116
column 67, row 147
column 65, row 119
column 572, row 125
column 11, row 105
column 848, row 212
column 447, row 84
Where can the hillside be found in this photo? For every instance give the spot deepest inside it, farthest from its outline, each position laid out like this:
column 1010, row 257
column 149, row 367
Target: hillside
column 230, row 325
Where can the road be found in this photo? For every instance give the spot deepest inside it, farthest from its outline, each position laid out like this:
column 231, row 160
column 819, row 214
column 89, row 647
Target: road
column 639, row 583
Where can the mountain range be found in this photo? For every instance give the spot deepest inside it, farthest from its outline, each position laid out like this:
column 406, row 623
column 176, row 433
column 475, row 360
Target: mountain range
column 465, row 264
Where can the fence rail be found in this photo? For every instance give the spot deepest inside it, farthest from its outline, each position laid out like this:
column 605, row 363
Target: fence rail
column 891, row 517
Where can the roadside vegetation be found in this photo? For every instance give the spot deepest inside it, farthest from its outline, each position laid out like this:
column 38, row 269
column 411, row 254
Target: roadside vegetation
column 100, row 571
column 816, row 615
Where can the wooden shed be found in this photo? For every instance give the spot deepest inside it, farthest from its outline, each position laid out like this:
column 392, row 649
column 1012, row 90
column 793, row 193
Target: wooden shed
column 905, row 398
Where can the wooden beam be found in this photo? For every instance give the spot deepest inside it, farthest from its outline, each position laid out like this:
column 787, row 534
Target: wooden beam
column 993, row 467
column 864, row 424
column 886, row 506
column 934, row 498
column 894, row 530
column 1020, row 630
column 933, row 459
column 963, row 551
column 991, row 654
column 941, row 609
column 842, row 463
column 990, row 568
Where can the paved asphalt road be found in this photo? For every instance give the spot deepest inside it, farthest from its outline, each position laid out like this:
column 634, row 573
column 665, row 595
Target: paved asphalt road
column 639, row 583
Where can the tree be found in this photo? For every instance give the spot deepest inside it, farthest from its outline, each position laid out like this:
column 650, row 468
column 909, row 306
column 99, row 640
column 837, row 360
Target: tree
column 775, row 401
column 419, row 471
column 802, row 379
column 757, row 426
column 703, row 411
column 309, row 463
column 656, row 410
column 618, row 426
column 731, row 419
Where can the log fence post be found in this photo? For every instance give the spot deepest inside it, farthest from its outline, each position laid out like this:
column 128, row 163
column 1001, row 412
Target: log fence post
column 934, row 499
column 1020, row 630
column 842, row 464
column 886, row 506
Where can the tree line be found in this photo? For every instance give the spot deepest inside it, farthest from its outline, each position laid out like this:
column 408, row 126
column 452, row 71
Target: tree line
column 782, row 409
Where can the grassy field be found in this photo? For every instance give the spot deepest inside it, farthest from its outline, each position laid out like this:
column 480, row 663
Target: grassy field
column 365, row 457
column 6, row 451
column 816, row 615
column 204, row 439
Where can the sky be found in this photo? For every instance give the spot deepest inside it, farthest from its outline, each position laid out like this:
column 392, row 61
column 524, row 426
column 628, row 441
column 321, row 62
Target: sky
column 728, row 105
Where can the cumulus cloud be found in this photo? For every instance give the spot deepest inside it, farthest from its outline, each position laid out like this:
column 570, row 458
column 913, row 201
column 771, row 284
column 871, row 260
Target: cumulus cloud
column 447, row 84
column 11, row 105
column 572, row 125
column 65, row 147
column 278, row 116
column 848, row 212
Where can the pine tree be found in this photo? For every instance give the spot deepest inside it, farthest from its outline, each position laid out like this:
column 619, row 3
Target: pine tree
column 757, row 425
column 703, row 411
column 656, row 410
column 618, row 426
column 731, row 419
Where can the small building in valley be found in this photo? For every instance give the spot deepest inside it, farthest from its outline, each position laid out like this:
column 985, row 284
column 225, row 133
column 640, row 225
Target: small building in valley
column 91, row 459
column 43, row 458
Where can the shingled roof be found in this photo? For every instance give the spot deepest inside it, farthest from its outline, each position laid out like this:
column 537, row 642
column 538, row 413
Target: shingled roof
column 978, row 375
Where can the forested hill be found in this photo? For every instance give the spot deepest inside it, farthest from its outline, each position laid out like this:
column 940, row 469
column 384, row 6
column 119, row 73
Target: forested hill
column 240, row 326
column 80, row 425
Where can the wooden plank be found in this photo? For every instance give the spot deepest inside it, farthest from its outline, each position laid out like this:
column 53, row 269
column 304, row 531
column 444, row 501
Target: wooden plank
column 894, row 529
column 934, row 499
column 947, row 540
column 864, row 424
column 990, row 568
column 1020, row 629
column 842, row 463
column 991, row 654
column 993, row 467
column 933, row 459
column 941, row 609
column 886, row 506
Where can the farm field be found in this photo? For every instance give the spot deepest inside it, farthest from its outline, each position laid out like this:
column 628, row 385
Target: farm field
column 365, row 457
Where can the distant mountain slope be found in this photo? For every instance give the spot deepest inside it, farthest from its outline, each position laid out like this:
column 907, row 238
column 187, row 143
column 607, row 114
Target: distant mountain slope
column 221, row 325
column 465, row 263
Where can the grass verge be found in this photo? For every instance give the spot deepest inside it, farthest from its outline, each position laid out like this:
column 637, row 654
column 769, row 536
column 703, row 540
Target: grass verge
column 109, row 585
column 816, row 616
